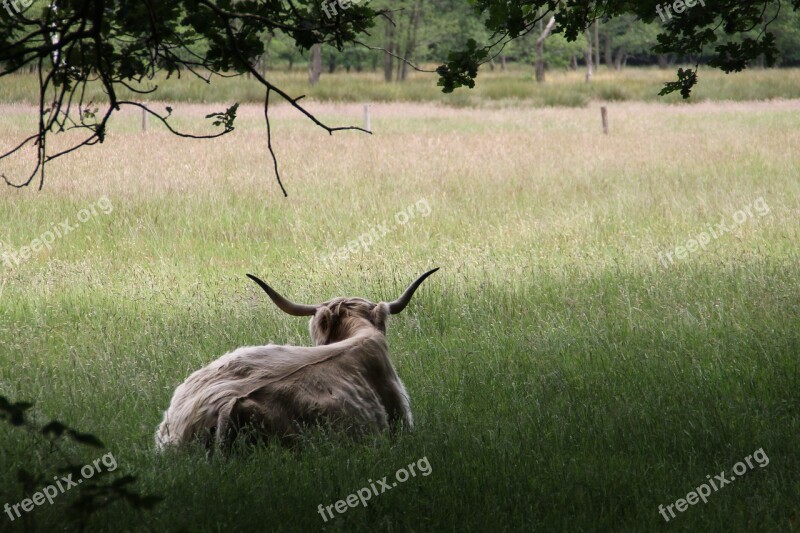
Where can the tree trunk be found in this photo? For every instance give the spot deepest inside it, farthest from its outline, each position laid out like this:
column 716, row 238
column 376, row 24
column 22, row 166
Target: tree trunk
column 588, row 56
column 315, row 64
column 411, row 39
column 539, row 68
column 618, row 57
column 662, row 61
column 573, row 64
column 607, row 51
column 539, row 49
column 503, row 63
column 264, row 60
column 388, row 60
column 398, row 53
column 597, row 44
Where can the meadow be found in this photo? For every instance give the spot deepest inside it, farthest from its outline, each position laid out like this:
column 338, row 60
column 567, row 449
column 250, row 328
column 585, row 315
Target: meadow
column 512, row 87
column 564, row 374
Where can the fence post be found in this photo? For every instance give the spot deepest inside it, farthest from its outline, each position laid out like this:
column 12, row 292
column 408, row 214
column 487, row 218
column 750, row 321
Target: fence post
column 604, row 116
column 367, row 121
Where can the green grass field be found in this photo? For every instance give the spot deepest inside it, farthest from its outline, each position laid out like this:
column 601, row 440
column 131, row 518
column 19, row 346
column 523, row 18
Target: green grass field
column 562, row 376
column 510, row 88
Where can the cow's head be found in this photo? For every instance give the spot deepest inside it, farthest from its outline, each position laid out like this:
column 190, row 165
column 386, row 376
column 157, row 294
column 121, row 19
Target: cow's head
column 341, row 318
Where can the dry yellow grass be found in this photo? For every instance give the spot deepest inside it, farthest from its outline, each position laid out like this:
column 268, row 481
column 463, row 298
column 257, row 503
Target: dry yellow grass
column 545, row 184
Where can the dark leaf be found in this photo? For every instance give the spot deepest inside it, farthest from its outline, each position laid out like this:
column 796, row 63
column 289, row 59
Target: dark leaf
column 85, row 438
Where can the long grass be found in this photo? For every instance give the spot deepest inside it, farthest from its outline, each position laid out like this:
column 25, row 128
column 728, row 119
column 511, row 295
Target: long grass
column 561, row 375
column 512, row 87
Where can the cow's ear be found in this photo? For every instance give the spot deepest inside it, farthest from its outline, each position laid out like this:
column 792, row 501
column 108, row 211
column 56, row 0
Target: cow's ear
column 323, row 320
column 379, row 315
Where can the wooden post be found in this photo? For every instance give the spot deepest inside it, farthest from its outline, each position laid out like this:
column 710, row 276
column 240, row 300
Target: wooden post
column 367, row 121
column 144, row 121
column 604, row 116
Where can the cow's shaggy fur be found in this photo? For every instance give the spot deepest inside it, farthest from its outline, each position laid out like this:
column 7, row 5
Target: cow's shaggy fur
column 346, row 380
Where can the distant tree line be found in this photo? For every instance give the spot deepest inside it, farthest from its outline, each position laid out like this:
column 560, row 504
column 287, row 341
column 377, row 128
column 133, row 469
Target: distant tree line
column 120, row 44
column 424, row 31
